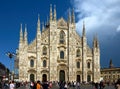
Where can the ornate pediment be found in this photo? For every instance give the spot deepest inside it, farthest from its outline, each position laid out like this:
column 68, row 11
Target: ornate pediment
column 62, row 23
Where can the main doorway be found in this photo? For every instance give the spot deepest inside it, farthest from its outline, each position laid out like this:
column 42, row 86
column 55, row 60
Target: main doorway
column 44, row 77
column 32, row 77
column 62, row 75
column 78, row 78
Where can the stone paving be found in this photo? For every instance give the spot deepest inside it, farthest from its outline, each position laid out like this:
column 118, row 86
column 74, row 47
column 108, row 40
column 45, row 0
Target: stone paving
column 82, row 87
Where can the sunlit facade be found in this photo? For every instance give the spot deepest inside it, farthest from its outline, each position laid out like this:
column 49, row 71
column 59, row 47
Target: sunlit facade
column 58, row 53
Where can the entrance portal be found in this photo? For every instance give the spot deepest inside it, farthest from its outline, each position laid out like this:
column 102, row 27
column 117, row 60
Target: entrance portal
column 44, row 78
column 88, row 78
column 78, row 78
column 32, row 77
column 62, row 75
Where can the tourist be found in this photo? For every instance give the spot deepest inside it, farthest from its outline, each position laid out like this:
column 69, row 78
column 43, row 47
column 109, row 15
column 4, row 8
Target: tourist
column 12, row 86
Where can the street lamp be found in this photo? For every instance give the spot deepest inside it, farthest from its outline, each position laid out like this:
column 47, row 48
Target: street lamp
column 10, row 55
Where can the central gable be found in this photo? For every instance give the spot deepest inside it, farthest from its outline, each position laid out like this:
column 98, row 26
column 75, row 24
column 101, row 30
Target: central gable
column 62, row 23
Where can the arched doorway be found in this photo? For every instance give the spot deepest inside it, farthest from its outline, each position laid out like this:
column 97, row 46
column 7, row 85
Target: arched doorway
column 62, row 75
column 88, row 78
column 78, row 78
column 32, row 77
column 44, row 77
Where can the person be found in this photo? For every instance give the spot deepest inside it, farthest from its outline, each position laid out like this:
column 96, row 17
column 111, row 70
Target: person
column 78, row 85
column 31, row 85
column 38, row 86
column 65, row 86
column 118, row 84
column 12, row 86
column 45, row 85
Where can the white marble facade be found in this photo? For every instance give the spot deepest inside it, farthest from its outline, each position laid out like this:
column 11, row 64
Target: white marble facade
column 58, row 53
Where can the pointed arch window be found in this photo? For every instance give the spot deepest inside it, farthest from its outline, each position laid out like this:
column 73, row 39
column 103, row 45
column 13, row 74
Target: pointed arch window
column 88, row 65
column 44, row 50
column 78, row 64
column 61, row 55
column 31, row 63
column 78, row 53
column 62, row 37
column 44, row 63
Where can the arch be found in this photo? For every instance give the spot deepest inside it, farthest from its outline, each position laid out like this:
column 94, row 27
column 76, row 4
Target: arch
column 31, row 63
column 78, row 64
column 61, row 54
column 44, row 63
column 62, row 75
column 32, row 77
column 88, row 78
column 88, row 65
column 44, row 77
column 78, row 53
column 62, row 37
column 78, row 78
column 44, row 50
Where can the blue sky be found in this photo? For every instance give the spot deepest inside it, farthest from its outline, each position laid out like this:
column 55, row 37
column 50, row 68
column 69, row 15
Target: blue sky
column 101, row 18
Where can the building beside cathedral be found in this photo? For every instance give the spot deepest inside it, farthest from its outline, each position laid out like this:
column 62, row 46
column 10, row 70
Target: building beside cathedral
column 58, row 53
column 110, row 74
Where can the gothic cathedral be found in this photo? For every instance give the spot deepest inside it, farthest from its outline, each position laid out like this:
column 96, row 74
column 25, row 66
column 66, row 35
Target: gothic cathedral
column 58, row 53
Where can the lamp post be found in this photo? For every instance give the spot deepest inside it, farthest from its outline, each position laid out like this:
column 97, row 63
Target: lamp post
column 11, row 74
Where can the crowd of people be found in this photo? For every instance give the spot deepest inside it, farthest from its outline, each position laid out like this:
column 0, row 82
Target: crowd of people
column 48, row 85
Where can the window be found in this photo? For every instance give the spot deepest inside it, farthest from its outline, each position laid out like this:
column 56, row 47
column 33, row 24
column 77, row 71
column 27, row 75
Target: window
column 88, row 65
column 44, row 50
column 78, row 53
column 32, row 63
column 44, row 63
column 61, row 55
column 78, row 64
column 62, row 37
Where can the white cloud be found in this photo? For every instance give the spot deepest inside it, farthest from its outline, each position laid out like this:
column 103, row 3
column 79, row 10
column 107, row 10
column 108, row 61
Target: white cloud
column 118, row 28
column 100, row 16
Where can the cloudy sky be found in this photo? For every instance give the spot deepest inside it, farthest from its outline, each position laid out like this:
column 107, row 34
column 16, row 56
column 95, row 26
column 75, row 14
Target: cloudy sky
column 101, row 17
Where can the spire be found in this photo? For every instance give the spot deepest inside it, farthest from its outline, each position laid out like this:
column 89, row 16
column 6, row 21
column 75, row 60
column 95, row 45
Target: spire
column 21, row 34
column 73, row 16
column 111, row 64
column 38, row 25
column 25, row 35
column 83, row 33
column 95, row 42
column 69, row 15
column 50, row 12
column 54, row 12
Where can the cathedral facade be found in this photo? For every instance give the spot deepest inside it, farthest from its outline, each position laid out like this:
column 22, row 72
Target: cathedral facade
column 58, row 53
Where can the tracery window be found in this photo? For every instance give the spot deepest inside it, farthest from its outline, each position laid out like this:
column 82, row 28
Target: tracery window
column 61, row 55
column 78, row 53
column 62, row 37
column 44, row 63
column 78, row 64
column 31, row 63
column 88, row 65
column 44, row 50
